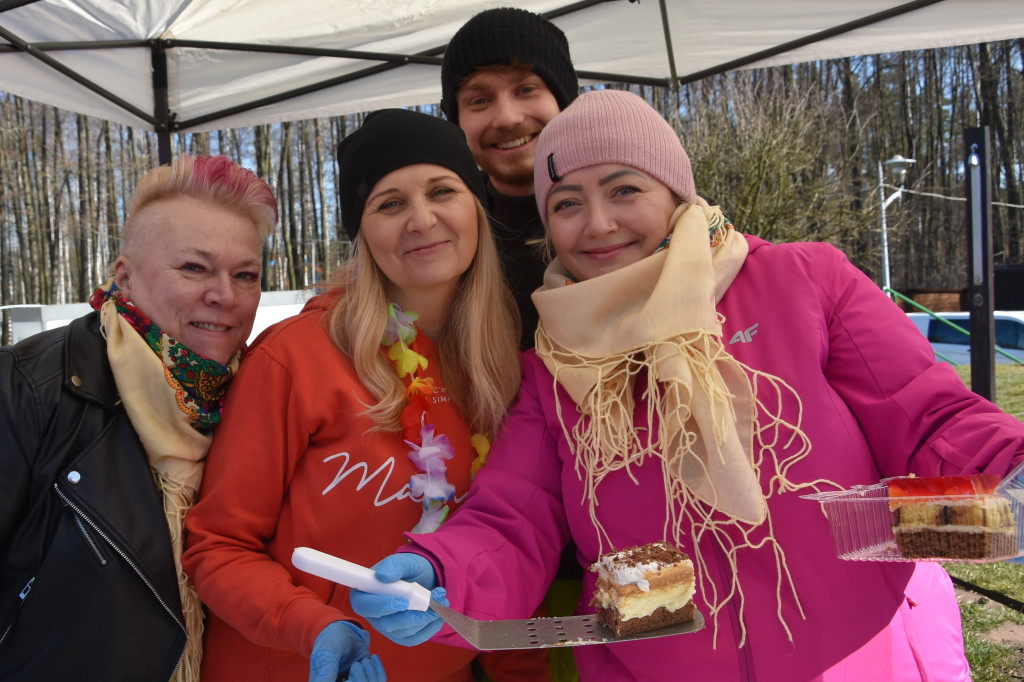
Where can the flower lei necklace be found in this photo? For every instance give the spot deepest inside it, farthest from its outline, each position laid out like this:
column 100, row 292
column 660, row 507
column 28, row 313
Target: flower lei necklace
column 429, row 450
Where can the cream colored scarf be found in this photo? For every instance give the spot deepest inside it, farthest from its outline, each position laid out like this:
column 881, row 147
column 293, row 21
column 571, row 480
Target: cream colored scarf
column 175, row 450
column 658, row 317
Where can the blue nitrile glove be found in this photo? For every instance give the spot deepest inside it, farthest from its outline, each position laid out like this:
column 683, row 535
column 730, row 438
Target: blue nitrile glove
column 335, row 649
column 367, row 670
column 406, row 566
column 390, row 616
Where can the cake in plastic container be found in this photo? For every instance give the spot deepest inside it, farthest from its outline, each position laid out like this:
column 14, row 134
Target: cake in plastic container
column 971, row 518
column 954, row 517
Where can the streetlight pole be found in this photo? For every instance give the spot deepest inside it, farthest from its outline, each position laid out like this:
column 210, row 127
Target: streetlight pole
column 900, row 165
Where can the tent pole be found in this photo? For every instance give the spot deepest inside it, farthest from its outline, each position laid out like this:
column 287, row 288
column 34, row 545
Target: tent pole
column 163, row 147
column 808, row 40
column 668, row 47
column 31, row 50
column 161, row 110
column 671, row 66
column 980, row 287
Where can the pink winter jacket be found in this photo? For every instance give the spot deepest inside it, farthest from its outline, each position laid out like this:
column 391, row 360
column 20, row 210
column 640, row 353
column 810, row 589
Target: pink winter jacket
column 875, row 404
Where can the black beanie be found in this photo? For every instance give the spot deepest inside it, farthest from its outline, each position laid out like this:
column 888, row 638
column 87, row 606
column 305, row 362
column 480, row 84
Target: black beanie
column 390, row 139
column 502, row 36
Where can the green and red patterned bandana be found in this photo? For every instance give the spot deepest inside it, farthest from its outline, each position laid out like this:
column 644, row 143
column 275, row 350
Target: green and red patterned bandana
column 200, row 382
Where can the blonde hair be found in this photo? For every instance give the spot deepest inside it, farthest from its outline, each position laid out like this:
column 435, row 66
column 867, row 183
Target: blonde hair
column 477, row 347
column 216, row 179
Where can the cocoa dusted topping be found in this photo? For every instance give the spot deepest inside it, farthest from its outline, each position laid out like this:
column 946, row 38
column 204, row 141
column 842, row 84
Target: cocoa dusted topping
column 653, row 583
column 660, row 552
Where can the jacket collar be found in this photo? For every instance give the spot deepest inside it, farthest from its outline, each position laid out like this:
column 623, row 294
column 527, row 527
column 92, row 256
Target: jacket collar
column 86, row 369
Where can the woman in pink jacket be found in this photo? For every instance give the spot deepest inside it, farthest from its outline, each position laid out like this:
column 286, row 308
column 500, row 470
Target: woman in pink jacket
column 776, row 370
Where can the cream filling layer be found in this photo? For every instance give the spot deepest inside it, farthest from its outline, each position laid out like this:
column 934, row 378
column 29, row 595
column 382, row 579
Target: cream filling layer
column 642, row 604
column 954, row 529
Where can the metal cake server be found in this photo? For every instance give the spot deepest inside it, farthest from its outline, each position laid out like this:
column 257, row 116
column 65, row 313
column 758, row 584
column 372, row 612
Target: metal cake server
column 486, row 635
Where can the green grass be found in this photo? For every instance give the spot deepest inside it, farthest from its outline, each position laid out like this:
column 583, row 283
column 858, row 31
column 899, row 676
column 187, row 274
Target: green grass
column 1003, row 577
column 991, row 662
column 1009, row 387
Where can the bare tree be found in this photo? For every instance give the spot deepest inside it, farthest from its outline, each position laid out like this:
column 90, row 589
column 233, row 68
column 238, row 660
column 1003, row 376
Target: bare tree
column 790, row 153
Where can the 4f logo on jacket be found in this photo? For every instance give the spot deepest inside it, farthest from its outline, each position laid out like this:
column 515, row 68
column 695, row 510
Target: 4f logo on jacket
column 745, row 335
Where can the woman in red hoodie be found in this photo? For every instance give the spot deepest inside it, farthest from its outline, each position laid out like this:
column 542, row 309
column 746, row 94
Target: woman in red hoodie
column 360, row 418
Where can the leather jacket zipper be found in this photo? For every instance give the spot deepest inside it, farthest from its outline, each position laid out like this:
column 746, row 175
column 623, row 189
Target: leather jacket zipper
column 81, row 515
column 21, row 600
column 90, row 541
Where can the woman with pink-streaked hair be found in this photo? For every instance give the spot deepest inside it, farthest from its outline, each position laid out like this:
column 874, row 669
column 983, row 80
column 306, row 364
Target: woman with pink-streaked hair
column 104, row 426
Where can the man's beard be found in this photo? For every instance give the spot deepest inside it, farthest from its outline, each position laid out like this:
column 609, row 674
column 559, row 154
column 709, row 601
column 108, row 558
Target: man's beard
column 517, row 170
column 517, row 175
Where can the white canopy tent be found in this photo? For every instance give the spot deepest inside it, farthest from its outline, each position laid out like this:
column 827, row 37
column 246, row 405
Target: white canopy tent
column 193, row 65
column 196, row 65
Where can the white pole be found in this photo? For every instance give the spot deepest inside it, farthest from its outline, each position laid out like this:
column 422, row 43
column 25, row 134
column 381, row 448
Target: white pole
column 886, row 281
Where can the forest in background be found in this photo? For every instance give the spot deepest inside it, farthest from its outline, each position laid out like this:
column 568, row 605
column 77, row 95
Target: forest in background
column 790, row 153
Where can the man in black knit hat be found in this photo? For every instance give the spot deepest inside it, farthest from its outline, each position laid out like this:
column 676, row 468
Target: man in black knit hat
column 506, row 73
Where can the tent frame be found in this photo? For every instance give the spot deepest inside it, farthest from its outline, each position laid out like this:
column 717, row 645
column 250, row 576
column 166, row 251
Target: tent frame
column 165, row 121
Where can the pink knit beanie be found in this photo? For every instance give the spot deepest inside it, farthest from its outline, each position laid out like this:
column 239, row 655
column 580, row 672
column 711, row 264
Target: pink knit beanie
column 610, row 126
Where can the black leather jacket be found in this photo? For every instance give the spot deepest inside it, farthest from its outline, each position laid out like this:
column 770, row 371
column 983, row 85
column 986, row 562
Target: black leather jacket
column 87, row 582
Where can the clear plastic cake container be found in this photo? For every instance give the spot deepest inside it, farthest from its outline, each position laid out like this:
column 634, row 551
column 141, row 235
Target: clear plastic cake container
column 862, row 525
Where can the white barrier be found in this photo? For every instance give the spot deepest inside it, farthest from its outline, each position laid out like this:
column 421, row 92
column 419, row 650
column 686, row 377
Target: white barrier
column 32, row 319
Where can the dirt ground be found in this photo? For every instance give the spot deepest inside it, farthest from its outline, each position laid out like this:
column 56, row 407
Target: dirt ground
column 1006, row 633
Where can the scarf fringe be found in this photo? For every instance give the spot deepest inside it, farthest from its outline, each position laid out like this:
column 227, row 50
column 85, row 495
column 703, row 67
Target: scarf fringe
column 178, row 500
column 721, row 427
column 175, row 445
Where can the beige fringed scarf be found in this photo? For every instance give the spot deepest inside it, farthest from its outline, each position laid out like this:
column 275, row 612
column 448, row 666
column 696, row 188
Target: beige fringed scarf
column 658, row 317
column 175, row 449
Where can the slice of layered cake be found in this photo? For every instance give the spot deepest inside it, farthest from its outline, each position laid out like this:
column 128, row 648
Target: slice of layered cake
column 644, row 588
column 951, row 517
